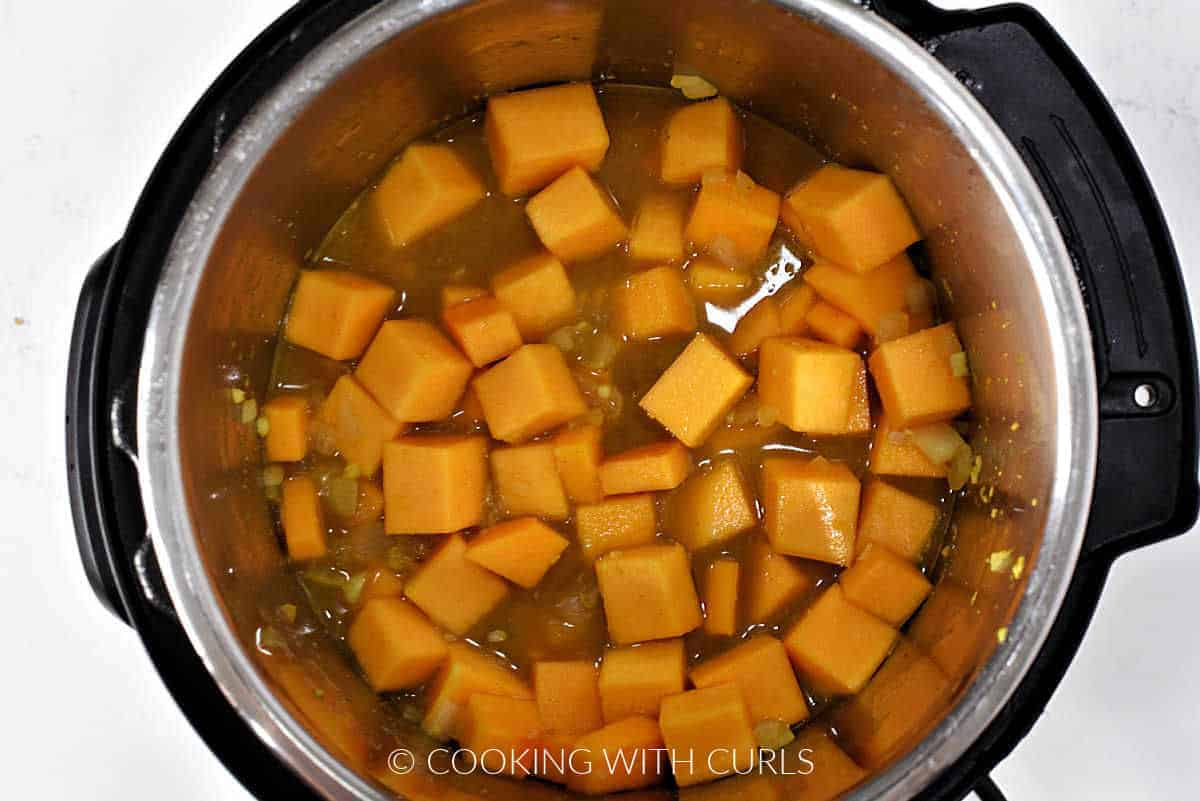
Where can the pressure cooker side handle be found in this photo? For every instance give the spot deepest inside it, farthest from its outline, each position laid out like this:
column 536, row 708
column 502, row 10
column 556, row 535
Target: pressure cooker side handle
column 1067, row 133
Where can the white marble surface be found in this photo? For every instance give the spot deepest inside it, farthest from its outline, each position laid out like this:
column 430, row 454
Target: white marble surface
column 92, row 91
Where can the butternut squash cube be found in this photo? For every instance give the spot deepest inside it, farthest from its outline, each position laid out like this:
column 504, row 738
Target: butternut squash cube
column 502, row 732
column 794, row 306
column 951, row 630
column 568, row 696
column 709, row 734
column 287, row 435
column 657, row 232
column 521, row 551
column 651, row 304
column 578, row 453
column 867, row 297
column 759, row 667
column 713, row 506
column 717, row 283
column 885, row 585
column 554, row 759
column 395, row 644
column 859, row 423
column 303, row 523
column 484, row 329
column 836, row 773
column 575, row 217
column 900, row 456
column 897, row 520
column 760, row 785
column 467, row 671
column 810, row 508
column 835, row 327
column 360, row 425
column 648, row 593
column 836, row 646
column 658, row 466
column 854, row 218
column 761, row 322
column 427, row 187
column 434, row 483
column 719, row 591
column 701, row 137
column 526, row 481
column 634, row 680
column 915, row 379
column 733, row 218
column 538, row 293
column 773, row 582
column 453, row 294
column 529, row 393
column 695, row 393
column 413, row 371
column 536, row 135
column 335, row 313
column 812, row 386
column 615, row 523
column 455, row 592
column 625, row 755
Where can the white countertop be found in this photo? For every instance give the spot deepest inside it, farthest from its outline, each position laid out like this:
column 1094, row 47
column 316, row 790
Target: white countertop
column 91, row 94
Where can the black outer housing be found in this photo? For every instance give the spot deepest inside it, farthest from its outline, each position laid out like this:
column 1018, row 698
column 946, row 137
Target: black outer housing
column 1019, row 69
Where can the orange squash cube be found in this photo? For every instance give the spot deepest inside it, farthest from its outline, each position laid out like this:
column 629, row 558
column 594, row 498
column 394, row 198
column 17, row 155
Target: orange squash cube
column 713, row 506
column 360, row 425
column 368, row 505
column 578, row 453
column 813, row 387
column 467, row 671
column 287, row 434
column 761, row 322
column 719, row 592
column 657, row 232
column 453, row 294
column 900, row 456
column 885, row 585
column 859, row 424
column 536, row 135
column 427, row 187
column 854, row 218
column 303, row 523
column 794, row 306
column 695, row 393
column 625, row 755
column 335, row 313
column 836, row 646
column 951, row 630
column 575, row 217
column 434, row 483
column 658, row 466
column 455, row 592
column 538, row 293
column 651, row 304
column 568, row 696
column 413, row 371
column 810, row 508
column 521, row 551
column 484, row 329
column 502, row 732
column 915, row 379
column 759, row 785
column 526, row 481
column 709, row 734
column 773, row 582
column 395, row 644
column 615, row 523
column 716, row 283
column 867, row 297
column 897, row 520
column 835, row 327
column 648, row 593
column 759, row 667
column 554, row 757
column 733, row 218
column 701, row 137
column 834, row 772
column 529, row 393
column 634, row 680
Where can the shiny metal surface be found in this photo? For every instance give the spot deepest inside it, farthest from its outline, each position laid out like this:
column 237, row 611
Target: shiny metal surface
column 827, row 68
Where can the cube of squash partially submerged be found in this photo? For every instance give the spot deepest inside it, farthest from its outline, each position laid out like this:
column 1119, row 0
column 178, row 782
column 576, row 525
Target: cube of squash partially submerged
column 568, row 696
column 396, row 645
column 434, row 483
column 649, row 468
column 624, row 755
column 615, row 523
column 717, row 283
column 758, row 324
column 651, row 304
column 502, row 732
column 899, row 456
column 657, row 232
column 916, row 380
column 521, row 550
column 773, row 581
column 287, row 435
column 648, row 593
column 455, row 592
column 709, row 734
column 414, row 371
column 538, row 293
column 886, row 585
column 733, row 218
column 634, row 680
column 833, row 325
column 713, row 506
column 483, row 328
column 467, row 671
column 810, row 508
column 302, row 520
column 759, row 667
column 529, row 393
column 427, row 187
column 696, row 392
column 575, row 217
column 335, row 313
column 526, row 481
column 700, row 137
column 578, row 453
column 897, row 520
column 813, row 387
column 867, row 297
column 719, row 592
column 836, row 646
column 360, row 426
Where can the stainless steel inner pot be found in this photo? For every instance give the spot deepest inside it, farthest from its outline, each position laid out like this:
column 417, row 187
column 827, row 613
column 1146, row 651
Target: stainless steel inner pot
column 828, row 69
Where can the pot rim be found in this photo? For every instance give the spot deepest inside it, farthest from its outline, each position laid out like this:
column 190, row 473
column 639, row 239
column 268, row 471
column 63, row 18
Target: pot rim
column 160, row 471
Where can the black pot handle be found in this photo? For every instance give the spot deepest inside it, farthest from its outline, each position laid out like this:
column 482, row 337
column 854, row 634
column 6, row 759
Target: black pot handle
column 1067, row 133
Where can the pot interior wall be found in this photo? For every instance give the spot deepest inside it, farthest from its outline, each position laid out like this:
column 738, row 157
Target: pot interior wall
column 782, row 65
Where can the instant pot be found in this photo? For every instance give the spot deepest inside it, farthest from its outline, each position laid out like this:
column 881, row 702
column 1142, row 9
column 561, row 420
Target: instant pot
column 1045, row 237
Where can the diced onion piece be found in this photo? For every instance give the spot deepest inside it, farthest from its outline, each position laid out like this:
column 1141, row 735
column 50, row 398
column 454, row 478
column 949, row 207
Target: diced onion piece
column 326, row 577
column 892, row 325
column 497, row 635
column 272, row 475
column 354, row 588
column 959, row 469
column 270, row 639
column 238, row 395
column 287, row 612
column 920, row 297
column 249, row 411
column 938, row 441
column 262, row 426
column 958, row 365
column 352, row 472
column 342, row 496
column 773, row 734
column 600, row 351
column 693, row 86
column 563, row 339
